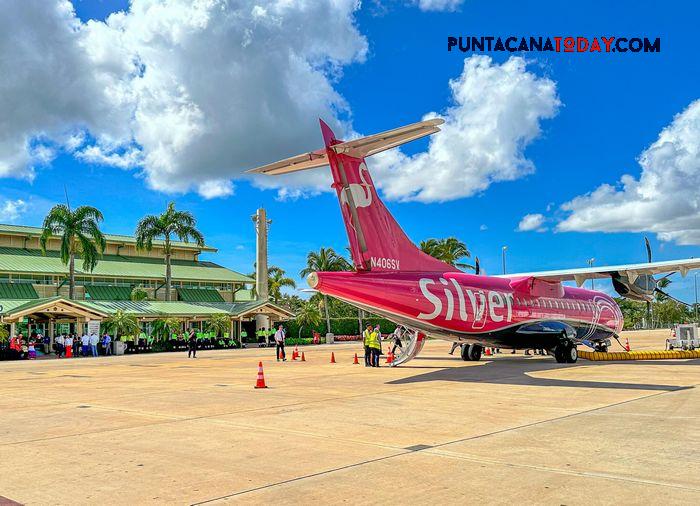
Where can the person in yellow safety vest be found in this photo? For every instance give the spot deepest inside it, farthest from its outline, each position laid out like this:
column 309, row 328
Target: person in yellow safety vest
column 271, row 336
column 365, row 341
column 375, row 346
column 261, row 334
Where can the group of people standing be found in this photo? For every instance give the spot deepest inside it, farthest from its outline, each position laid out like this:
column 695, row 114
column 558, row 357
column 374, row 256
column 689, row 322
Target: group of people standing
column 70, row 345
column 25, row 349
column 372, row 341
column 64, row 345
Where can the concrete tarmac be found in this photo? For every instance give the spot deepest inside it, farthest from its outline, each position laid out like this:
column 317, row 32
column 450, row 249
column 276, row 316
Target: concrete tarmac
column 511, row 429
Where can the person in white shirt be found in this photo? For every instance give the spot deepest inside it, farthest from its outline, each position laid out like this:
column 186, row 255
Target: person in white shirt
column 93, row 344
column 85, row 341
column 58, row 344
column 279, row 341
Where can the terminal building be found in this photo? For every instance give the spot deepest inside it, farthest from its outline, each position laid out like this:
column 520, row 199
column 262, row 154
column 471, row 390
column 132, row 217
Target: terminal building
column 34, row 286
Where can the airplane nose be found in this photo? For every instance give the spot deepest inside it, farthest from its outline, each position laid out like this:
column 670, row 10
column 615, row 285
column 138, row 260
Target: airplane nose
column 312, row 279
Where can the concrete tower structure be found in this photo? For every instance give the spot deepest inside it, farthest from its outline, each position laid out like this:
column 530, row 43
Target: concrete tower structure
column 261, row 275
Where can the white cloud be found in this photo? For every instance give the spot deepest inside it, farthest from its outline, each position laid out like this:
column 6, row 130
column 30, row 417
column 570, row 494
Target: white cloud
column 126, row 159
column 214, row 188
column 483, row 227
column 438, row 5
column 496, row 113
column 663, row 200
column 48, row 84
column 532, row 222
column 12, row 210
column 191, row 92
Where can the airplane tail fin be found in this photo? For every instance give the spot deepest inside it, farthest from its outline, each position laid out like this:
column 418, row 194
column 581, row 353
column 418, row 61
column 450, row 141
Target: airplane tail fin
column 377, row 242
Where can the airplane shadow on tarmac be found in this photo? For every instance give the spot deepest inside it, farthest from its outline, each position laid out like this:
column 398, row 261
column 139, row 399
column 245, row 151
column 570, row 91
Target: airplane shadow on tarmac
column 516, row 371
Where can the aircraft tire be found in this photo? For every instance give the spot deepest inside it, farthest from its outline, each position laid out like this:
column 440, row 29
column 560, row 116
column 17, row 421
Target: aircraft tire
column 464, row 351
column 571, row 353
column 560, row 353
column 475, row 352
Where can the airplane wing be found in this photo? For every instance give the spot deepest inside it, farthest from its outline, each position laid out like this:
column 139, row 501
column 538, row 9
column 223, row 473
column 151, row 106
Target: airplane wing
column 358, row 148
column 632, row 271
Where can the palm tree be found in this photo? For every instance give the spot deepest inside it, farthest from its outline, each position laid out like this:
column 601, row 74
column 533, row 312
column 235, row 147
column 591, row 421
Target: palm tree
column 163, row 328
column 138, row 294
column 122, row 323
column 79, row 234
column 180, row 224
column 325, row 260
column 308, row 315
column 449, row 250
column 276, row 281
column 219, row 324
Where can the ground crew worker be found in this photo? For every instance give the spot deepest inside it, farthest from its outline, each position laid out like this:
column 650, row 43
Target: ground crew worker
column 397, row 341
column 261, row 334
column 365, row 341
column 454, row 347
column 375, row 347
column 271, row 336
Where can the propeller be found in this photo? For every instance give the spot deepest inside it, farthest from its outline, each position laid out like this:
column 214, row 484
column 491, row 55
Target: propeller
column 656, row 280
column 648, row 246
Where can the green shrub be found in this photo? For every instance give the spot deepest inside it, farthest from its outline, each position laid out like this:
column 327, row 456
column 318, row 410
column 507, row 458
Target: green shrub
column 293, row 341
column 339, row 326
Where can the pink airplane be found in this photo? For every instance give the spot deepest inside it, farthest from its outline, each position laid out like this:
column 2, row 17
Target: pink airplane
column 427, row 297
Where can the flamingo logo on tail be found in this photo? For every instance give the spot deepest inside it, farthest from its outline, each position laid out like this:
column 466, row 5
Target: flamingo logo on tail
column 361, row 192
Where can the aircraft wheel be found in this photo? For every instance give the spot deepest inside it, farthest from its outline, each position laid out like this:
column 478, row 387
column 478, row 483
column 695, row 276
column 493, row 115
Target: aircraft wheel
column 571, row 353
column 560, row 353
column 464, row 351
column 475, row 352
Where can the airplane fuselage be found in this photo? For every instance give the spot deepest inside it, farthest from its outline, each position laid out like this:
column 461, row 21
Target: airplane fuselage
column 517, row 312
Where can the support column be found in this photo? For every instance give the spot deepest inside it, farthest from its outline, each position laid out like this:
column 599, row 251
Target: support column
column 230, row 329
column 12, row 329
column 52, row 332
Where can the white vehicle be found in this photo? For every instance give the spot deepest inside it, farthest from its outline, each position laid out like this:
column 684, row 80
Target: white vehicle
column 684, row 337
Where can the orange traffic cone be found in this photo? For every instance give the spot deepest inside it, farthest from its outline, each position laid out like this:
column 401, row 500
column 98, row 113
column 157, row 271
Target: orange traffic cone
column 303, row 358
column 295, row 355
column 261, row 377
column 332, row 358
column 487, row 352
column 279, row 355
column 389, row 357
column 355, row 361
column 627, row 344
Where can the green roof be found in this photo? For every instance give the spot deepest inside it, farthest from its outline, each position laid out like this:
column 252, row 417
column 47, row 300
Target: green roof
column 17, row 291
column 244, row 295
column 148, row 308
column 100, row 292
column 116, row 238
column 177, row 308
column 33, row 262
column 199, row 295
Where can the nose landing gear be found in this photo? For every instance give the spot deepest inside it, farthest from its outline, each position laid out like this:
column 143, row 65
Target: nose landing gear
column 566, row 352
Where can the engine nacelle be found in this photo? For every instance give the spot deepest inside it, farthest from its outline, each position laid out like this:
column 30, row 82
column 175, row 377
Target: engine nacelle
column 636, row 287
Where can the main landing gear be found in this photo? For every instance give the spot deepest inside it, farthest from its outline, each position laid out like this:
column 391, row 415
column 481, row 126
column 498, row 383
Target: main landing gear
column 471, row 352
column 565, row 352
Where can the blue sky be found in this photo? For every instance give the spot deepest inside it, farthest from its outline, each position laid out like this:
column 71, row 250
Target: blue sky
column 613, row 107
